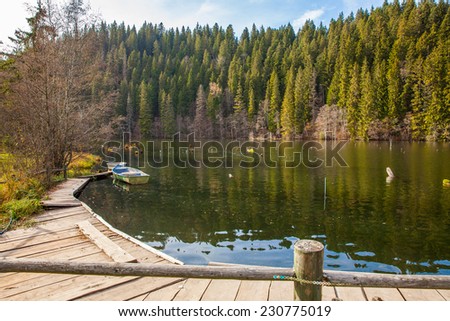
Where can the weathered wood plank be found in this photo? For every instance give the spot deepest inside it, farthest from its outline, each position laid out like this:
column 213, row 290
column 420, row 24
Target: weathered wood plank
column 71, row 289
column 385, row 294
column 19, row 278
column 51, row 218
column 137, row 251
column 139, row 298
column 253, row 291
column 41, row 239
column 166, row 293
column 132, row 289
column 109, row 247
column 34, row 283
column 221, row 290
column 32, row 232
column 421, row 294
column 60, row 203
column 43, row 248
column 281, row 291
column 351, row 294
column 192, row 290
column 445, row 294
column 328, row 293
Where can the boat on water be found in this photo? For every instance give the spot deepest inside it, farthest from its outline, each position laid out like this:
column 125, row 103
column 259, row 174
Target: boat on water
column 111, row 165
column 130, row 175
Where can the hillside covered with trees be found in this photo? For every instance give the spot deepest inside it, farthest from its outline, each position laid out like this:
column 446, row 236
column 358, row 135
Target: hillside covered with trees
column 378, row 74
column 382, row 74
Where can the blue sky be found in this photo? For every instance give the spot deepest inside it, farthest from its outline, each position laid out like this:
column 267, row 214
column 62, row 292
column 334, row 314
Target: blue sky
column 177, row 13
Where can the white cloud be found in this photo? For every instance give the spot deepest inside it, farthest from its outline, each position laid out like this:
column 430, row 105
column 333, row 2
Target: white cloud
column 208, row 8
column 308, row 15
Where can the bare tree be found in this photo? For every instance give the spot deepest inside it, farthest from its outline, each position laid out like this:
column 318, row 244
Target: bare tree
column 49, row 111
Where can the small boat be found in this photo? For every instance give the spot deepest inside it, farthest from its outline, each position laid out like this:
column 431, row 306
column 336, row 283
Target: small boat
column 111, row 165
column 130, row 175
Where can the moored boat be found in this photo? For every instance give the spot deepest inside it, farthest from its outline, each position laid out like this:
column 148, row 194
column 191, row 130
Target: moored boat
column 130, row 175
column 111, row 165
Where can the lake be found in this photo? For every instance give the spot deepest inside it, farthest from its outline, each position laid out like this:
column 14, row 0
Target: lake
column 254, row 214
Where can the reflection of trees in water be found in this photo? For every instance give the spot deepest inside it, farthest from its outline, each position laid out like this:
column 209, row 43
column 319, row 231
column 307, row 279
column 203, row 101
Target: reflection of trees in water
column 405, row 224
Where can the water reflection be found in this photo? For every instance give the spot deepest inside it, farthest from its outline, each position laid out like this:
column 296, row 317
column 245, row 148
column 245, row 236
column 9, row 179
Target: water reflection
column 254, row 216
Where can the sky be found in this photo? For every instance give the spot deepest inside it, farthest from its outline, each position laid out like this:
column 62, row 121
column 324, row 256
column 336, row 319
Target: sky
column 178, row 13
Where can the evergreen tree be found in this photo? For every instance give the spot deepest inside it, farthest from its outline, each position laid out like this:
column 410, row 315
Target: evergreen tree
column 145, row 110
column 288, row 107
column 366, row 103
column 274, row 98
column 167, row 115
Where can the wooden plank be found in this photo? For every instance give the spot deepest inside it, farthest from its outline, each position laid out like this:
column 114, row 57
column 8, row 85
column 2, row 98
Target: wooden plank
column 328, row 293
column 61, row 203
column 109, row 247
column 383, row 294
column 445, row 294
column 281, row 291
column 19, row 278
column 139, row 298
column 192, row 290
column 421, row 294
column 71, row 289
column 351, row 294
column 43, row 248
column 37, row 240
column 40, row 282
column 221, row 290
column 52, row 217
column 166, row 293
column 32, row 232
column 253, row 291
column 132, row 289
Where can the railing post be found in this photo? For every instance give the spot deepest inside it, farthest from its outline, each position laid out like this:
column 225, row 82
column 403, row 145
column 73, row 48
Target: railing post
column 308, row 265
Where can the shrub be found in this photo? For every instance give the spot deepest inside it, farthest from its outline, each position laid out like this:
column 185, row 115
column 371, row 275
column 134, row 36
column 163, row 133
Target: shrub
column 21, row 208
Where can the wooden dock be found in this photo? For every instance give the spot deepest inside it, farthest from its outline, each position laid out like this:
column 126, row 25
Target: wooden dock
column 76, row 234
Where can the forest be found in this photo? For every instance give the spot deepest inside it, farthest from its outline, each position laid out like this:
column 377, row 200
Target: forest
column 373, row 75
column 378, row 74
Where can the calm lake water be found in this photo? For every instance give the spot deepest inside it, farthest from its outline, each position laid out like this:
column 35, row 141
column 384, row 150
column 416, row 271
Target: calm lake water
column 255, row 215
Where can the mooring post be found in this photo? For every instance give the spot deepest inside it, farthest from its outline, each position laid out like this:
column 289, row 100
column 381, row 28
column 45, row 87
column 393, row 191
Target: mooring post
column 308, row 266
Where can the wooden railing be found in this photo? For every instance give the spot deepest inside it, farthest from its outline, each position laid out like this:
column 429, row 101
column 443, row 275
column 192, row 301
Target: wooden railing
column 307, row 274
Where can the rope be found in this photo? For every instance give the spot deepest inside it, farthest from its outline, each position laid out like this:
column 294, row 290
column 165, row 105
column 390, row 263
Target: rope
column 303, row 281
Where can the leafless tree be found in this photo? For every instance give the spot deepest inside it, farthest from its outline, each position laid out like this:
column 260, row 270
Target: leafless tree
column 49, row 110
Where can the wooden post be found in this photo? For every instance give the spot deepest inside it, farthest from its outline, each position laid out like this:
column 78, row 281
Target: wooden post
column 308, row 265
column 65, row 173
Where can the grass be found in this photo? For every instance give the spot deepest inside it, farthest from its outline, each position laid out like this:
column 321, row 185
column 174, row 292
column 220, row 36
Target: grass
column 83, row 164
column 20, row 194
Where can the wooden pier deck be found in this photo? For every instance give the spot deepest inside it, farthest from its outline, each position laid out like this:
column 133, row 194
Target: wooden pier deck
column 75, row 234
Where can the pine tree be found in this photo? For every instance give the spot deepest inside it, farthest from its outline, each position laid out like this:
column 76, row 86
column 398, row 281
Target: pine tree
column 274, row 98
column 366, row 103
column 145, row 110
column 354, row 97
column 167, row 115
column 288, row 107
column 202, row 123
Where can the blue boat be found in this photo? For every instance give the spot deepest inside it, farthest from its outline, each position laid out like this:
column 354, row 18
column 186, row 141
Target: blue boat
column 130, row 175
